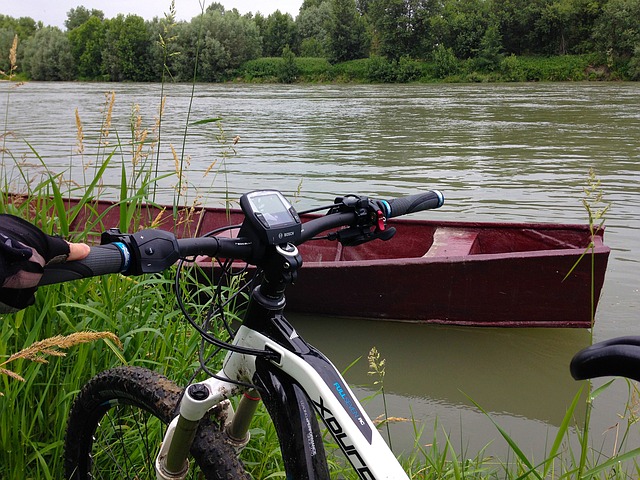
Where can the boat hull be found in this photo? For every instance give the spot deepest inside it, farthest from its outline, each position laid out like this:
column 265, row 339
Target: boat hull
column 482, row 290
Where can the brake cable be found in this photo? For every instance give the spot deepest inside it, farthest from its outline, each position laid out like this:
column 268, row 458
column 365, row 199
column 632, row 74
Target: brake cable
column 202, row 331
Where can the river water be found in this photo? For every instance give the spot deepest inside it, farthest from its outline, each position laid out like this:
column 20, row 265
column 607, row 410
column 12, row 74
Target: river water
column 508, row 152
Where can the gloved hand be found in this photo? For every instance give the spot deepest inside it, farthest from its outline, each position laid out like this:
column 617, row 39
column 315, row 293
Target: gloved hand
column 24, row 251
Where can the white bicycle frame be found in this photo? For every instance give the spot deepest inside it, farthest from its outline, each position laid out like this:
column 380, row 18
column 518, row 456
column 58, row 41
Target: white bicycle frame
column 333, row 400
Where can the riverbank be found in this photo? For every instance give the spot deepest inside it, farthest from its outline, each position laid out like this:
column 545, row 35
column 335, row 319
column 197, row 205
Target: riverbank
column 445, row 68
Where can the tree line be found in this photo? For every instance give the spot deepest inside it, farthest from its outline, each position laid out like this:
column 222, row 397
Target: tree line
column 217, row 43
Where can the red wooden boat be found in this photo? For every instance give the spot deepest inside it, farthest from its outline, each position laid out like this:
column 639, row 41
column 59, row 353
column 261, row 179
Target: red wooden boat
column 458, row 273
column 477, row 274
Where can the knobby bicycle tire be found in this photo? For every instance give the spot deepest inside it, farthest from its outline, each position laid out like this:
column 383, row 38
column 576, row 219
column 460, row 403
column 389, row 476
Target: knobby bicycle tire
column 112, row 417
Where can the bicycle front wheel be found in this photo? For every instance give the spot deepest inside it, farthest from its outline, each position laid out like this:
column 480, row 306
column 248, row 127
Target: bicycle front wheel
column 117, row 423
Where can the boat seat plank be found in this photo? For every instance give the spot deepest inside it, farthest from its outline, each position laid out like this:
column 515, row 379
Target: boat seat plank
column 451, row 242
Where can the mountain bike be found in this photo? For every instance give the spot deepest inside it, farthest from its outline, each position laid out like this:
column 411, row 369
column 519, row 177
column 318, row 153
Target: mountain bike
column 130, row 422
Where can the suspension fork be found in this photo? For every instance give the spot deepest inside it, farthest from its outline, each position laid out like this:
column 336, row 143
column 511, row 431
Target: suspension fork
column 237, row 429
column 289, row 407
column 199, row 398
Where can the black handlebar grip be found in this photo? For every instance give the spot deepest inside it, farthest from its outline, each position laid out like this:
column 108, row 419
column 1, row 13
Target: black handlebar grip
column 619, row 357
column 102, row 259
column 413, row 203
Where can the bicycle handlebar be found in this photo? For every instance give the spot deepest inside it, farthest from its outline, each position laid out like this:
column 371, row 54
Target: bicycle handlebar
column 102, row 260
column 414, row 203
column 114, row 257
column 152, row 251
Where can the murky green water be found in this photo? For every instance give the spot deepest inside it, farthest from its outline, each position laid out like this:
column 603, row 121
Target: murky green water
column 499, row 152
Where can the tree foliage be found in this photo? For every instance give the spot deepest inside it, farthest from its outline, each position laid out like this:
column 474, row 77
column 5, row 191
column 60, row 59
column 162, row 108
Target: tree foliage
column 24, row 27
column 80, row 15
column 462, row 26
column 313, row 28
column 617, row 31
column 402, row 27
column 489, row 35
column 48, row 56
column 279, row 31
column 347, row 34
column 225, row 40
column 87, row 43
column 125, row 53
column 6, row 43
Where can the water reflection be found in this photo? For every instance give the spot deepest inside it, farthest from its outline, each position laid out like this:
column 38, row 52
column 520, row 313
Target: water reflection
column 522, row 372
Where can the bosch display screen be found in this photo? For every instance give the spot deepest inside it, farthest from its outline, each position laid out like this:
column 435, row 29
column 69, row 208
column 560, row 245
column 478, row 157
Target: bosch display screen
column 271, row 216
column 271, row 206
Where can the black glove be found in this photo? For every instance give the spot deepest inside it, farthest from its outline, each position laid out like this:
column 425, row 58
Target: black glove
column 24, row 251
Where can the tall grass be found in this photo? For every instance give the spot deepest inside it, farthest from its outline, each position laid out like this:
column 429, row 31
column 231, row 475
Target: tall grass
column 139, row 311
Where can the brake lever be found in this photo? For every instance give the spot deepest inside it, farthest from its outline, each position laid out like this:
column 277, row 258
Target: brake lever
column 370, row 222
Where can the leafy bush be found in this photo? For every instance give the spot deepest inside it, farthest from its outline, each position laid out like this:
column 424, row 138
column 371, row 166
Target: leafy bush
column 409, row 70
column 557, row 68
column 266, row 68
column 271, row 69
column 351, row 70
column 446, row 62
column 312, row 47
column 380, row 70
column 634, row 64
column 314, row 67
column 289, row 68
column 445, row 65
column 512, row 70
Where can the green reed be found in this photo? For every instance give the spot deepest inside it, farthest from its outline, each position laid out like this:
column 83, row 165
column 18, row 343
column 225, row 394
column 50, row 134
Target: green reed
column 140, row 311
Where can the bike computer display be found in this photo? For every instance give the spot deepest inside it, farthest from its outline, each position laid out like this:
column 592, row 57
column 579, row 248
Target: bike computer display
column 271, row 216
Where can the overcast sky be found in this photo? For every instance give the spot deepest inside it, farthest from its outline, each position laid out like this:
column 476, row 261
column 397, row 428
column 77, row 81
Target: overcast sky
column 54, row 12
